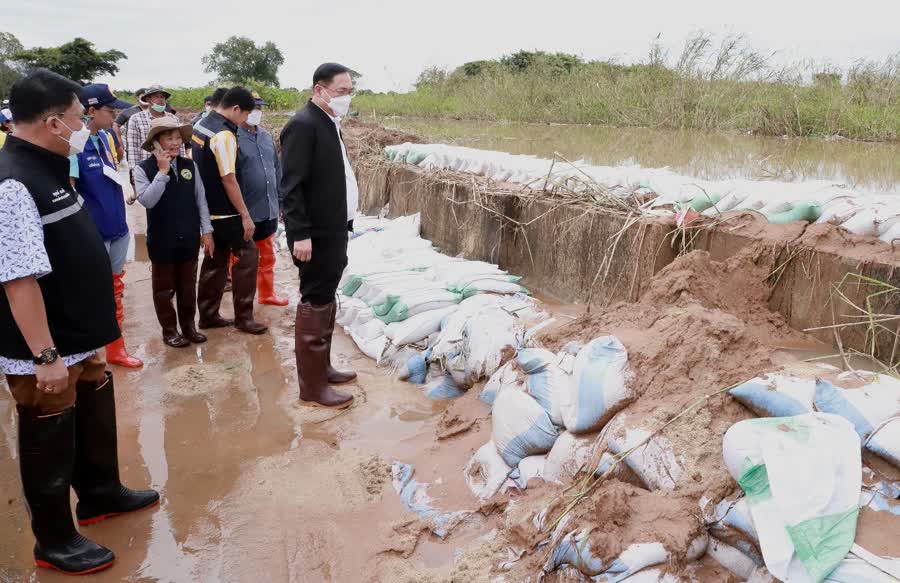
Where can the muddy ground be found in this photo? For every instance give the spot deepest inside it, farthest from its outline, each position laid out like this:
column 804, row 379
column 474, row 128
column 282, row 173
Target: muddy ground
column 254, row 488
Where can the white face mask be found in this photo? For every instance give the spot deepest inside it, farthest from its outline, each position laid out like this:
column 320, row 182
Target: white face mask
column 78, row 139
column 255, row 117
column 340, row 105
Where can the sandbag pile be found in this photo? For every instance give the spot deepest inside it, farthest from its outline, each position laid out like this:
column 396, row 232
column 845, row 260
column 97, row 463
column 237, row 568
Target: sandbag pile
column 814, row 201
column 437, row 318
column 546, row 411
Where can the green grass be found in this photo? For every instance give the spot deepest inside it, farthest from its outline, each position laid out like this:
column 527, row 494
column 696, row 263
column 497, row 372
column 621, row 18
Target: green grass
column 729, row 87
column 725, row 86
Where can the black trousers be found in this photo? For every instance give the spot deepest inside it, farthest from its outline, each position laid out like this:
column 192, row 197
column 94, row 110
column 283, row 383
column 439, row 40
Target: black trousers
column 320, row 276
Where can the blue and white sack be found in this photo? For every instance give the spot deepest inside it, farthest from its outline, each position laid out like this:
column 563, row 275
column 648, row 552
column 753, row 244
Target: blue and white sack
column 600, row 386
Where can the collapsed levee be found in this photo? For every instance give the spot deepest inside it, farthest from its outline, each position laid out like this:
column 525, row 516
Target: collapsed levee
column 820, row 276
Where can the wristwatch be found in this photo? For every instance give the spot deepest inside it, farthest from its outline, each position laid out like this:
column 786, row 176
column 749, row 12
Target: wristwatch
column 47, row 356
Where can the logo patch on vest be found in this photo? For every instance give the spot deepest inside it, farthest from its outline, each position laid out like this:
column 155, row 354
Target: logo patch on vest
column 187, row 174
column 59, row 195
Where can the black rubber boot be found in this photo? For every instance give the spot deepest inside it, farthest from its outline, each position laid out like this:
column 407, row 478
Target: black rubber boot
column 96, row 477
column 46, row 461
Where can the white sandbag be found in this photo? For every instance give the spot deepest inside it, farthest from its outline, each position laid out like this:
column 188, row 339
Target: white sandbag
column 862, row 223
column 372, row 347
column 505, row 377
column 368, row 330
column 802, row 478
column 347, row 310
column 732, row 559
column 575, row 549
column 873, row 409
column 418, row 327
column 569, row 455
column 777, row 394
column 600, row 387
column 488, row 341
column 545, row 380
column 655, row 462
column 486, row 471
column 531, row 468
column 520, row 427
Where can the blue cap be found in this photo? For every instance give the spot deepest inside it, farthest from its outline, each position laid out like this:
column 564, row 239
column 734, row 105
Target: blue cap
column 257, row 99
column 99, row 95
column 5, row 115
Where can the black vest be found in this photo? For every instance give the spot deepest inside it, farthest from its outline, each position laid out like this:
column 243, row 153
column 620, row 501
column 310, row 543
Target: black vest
column 173, row 225
column 78, row 293
column 206, row 128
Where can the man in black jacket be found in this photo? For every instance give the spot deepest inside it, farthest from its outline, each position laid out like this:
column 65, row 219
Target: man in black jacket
column 56, row 312
column 320, row 196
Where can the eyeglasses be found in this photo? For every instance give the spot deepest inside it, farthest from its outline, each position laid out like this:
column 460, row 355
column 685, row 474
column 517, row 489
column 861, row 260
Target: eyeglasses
column 85, row 119
column 339, row 92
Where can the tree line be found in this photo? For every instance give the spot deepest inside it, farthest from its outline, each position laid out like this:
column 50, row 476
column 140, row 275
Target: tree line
column 236, row 60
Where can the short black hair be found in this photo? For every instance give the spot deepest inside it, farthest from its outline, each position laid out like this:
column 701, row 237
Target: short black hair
column 39, row 93
column 239, row 96
column 326, row 72
column 216, row 98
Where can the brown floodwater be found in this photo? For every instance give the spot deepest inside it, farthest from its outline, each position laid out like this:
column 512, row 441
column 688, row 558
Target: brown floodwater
column 871, row 167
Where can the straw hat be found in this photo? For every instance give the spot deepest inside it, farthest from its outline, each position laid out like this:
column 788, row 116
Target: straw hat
column 164, row 124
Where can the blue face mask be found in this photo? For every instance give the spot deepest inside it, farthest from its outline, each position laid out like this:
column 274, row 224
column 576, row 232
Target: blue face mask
column 158, row 108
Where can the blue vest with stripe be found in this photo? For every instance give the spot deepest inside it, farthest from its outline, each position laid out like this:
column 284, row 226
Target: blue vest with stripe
column 103, row 197
column 78, row 293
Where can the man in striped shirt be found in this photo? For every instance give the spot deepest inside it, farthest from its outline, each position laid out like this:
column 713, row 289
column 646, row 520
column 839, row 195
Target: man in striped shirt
column 215, row 149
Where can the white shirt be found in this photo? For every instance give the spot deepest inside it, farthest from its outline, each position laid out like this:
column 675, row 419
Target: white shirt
column 22, row 254
column 352, row 186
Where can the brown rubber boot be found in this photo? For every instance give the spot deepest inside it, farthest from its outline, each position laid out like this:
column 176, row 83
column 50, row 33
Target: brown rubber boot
column 210, row 289
column 186, row 300
column 163, row 283
column 243, row 289
column 312, row 358
column 335, row 376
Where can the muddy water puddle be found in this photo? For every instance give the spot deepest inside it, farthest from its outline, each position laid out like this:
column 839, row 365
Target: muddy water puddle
column 254, row 487
column 870, row 167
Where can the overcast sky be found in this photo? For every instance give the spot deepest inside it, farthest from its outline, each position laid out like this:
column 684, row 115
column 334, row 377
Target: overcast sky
column 390, row 42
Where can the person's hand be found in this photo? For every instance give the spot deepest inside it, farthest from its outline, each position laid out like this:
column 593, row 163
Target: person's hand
column 52, row 379
column 209, row 247
column 249, row 227
column 163, row 160
column 303, row 250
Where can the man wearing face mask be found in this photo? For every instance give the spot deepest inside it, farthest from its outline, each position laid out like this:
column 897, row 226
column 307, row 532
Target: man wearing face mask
column 96, row 177
column 156, row 99
column 121, row 123
column 260, row 172
column 56, row 312
column 320, row 196
column 215, row 149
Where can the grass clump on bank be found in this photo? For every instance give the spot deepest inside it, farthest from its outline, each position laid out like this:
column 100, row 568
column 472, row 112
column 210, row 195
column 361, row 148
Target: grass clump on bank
column 728, row 86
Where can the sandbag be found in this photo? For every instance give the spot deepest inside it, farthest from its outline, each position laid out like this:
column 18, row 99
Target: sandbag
column 530, row 468
column 520, row 427
column 789, row 392
column 569, row 455
column 372, row 347
column 488, row 341
column 575, row 549
column 486, row 471
column 443, row 387
column 655, row 462
column 505, row 377
column 415, row 369
column 874, row 411
column 545, row 380
column 802, row 479
column 418, row 327
column 600, row 386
